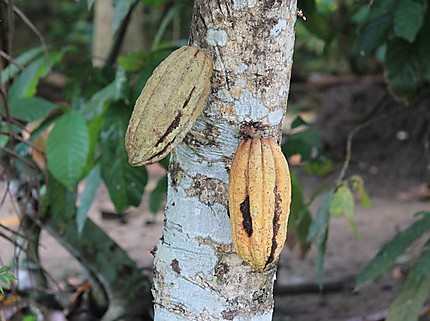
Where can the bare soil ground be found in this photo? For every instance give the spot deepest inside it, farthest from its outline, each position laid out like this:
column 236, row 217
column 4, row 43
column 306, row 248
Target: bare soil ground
column 393, row 173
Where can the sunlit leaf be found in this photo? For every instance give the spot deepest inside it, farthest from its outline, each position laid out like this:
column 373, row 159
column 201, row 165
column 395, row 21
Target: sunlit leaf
column 12, row 69
column 342, row 203
column 25, row 84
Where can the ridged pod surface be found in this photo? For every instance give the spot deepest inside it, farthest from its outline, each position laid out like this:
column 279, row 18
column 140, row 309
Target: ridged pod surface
column 259, row 201
column 169, row 104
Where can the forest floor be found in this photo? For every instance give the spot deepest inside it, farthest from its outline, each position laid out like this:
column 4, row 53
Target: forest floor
column 397, row 192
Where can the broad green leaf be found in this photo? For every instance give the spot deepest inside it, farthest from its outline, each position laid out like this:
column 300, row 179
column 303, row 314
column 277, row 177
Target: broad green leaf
column 31, row 108
column 67, row 148
column 124, row 182
column 393, row 249
column 61, row 203
column 342, row 203
column 121, row 10
column 404, row 68
column 158, row 195
column 415, row 289
column 409, row 18
column 26, row 83
column 12, row 70
column 373, row 35
column 96, row 105
column 86, row 198
column 304, row 143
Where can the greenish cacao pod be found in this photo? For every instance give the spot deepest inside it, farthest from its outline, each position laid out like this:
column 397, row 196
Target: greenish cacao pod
column 169, row 104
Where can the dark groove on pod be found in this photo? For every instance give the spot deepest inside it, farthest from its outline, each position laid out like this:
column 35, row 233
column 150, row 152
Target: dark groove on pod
column 246, row 214
column 276, row 225
column 175, row 123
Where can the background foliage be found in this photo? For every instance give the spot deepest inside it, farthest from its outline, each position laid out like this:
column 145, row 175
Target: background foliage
column 76, row 133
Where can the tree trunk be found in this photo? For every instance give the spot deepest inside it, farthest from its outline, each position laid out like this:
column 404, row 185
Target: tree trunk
column 197, row 274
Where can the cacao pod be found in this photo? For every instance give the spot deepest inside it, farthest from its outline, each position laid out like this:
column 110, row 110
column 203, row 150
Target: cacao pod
column 168, row 106
column 259, row 201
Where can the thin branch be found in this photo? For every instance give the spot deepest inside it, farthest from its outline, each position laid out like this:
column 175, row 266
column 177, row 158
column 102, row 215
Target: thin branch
column 355, row 130
column 11, row 60
column 16, row 155
column 367, row 123
column 8, row 116
column 27, row 21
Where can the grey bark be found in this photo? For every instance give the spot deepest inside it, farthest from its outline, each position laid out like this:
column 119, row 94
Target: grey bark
column 197, row 274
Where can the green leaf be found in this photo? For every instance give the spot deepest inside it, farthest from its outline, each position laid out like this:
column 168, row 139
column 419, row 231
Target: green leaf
column 26, row 83
column 124, row 182
column 96, row 105
column 86, row 198
column 320, row 166
column 316, row 23
column 357, row 184
column 373, row 35
column 297, row 122
column 409, row 18
column 67, row 148
column 304, row 143
column 404, row 68
column 61, row 204
column 319, row 260
column 393, row 249
column 342, row 203
column 121, row 84
column 121, row 10
column 94, row 129
column 415, row 289
column 31, row 108
column 300, row 217
column 322, row 218
column 12, row 70
column 158, row 195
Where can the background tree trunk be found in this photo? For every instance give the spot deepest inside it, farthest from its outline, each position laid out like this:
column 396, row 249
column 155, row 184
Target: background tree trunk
column 198, row 275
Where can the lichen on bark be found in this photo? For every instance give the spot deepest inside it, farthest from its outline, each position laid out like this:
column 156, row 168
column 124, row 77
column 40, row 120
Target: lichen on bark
column 251, row 43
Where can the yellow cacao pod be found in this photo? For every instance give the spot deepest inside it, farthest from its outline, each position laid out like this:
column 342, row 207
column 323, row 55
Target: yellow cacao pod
column 259, row 201
column 168, row 106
